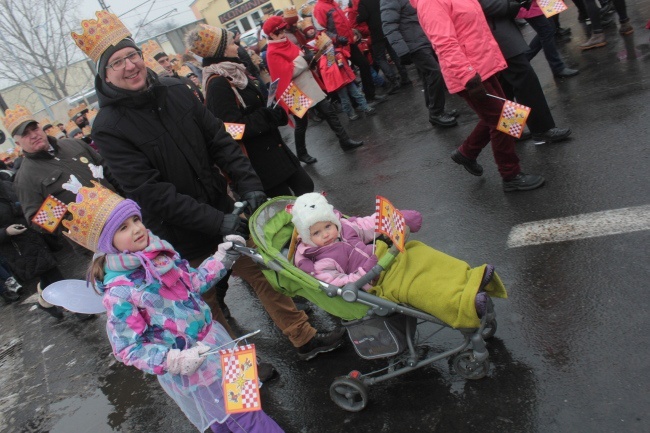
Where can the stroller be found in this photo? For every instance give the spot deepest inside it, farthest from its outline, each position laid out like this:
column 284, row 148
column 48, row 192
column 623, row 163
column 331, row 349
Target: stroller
column 378, row 328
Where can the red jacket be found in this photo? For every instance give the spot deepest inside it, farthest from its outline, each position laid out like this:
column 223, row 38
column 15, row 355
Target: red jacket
column 462, row 40
column 330, row 16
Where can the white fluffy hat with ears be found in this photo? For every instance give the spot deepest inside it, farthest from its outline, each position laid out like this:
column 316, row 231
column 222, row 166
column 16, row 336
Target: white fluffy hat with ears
column 309, row 209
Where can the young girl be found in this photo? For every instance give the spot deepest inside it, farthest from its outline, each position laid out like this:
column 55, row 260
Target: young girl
column 337, row 251
column 157, row 321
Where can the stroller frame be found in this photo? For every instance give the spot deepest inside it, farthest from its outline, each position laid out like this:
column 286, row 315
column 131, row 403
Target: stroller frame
column 470, row 358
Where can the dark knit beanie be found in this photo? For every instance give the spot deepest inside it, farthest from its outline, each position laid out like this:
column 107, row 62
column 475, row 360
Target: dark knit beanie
column 159, row 56
column 103, row 60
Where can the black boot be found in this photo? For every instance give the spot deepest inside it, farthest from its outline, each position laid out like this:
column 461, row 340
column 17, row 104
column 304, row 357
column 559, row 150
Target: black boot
column 350, row 144
column 307, row 158
column 9, row 296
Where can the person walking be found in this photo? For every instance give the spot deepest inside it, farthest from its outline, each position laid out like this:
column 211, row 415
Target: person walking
column 470, row 59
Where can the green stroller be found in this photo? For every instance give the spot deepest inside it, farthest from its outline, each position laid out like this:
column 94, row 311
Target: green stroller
column 378, row 328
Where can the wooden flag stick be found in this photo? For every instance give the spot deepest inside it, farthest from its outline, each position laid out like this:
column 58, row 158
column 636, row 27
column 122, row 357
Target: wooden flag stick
column 496, row 97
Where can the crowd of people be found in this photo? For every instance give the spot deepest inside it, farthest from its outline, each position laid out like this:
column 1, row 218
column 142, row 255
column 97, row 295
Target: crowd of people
column 162, row 139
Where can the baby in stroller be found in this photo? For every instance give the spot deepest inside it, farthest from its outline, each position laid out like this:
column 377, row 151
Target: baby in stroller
column 339, row 251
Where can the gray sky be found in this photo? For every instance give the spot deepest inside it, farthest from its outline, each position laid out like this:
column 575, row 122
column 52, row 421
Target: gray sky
column 183, row 14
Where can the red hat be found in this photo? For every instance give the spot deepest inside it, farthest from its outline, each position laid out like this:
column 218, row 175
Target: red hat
column 273, row 24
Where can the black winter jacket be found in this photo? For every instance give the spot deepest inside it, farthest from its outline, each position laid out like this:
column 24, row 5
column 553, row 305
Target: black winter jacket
column 402, row 28
column 369, row 13
column 273, row 161
column 26, row 254
column 166, row 149
column 503, row 27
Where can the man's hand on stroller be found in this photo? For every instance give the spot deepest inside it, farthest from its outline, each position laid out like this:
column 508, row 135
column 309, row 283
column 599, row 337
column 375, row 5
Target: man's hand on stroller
column 413, row 219
column 225, row 252
column 234, row 225
column 254, row 199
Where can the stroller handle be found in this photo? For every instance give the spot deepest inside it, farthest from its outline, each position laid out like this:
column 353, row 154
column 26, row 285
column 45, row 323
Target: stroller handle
column 239, row 207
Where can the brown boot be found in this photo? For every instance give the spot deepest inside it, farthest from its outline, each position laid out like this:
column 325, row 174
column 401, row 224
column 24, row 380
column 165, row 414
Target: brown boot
column 596, row 40
column 626, row 28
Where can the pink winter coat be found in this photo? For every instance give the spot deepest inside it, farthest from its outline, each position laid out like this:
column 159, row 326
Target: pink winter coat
column 462, row 40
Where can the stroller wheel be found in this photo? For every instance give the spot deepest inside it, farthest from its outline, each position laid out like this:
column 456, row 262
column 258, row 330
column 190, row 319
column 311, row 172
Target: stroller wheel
column 489, row 330
column 349, row 394
column 468, row 367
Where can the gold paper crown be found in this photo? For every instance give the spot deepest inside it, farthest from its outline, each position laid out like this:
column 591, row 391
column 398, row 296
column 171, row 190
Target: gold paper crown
column 76, row 110
column 153, row 64
column 90, row 214
column 71, row 126
column 207, row 41
column 290, row 12
column 304, row 23
column 306, row 10
column 151, row 48
column 14, row 117
column 100, row 34
column 91, row 114
column 322, row 41
column 46, row 122
column 184, row 71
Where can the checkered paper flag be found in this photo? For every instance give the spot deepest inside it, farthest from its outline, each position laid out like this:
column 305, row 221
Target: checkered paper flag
column 551, row 7
column 50, row 214
column 240, row 385
column 390, row 222
column 235, row 129
column 513, row 118
column 296, row 101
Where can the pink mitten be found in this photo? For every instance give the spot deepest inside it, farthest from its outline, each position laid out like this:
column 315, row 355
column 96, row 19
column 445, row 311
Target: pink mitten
column 370, row 263
column 187, row 361
column 413, row 219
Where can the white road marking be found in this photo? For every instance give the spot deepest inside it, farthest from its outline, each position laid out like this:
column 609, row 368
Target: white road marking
column 589, row 225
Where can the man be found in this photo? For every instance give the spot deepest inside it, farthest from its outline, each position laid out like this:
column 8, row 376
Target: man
column 288, row 63
column 402, row 29
column 47, row 165
column 164, row 148
column 519, row 80
column 369, row 12
column 330, row 17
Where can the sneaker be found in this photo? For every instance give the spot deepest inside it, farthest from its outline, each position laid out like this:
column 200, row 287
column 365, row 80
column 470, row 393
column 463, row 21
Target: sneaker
column 553, row 135
column 353, row 116
column 13, row 285
column 470, row 164
column 523, row 182
column 480, row 304
column 443, row 119
column 487, row 277
column 596, row 40
column 84, row 317
column 626, row 29
column 567, row 73
column 9, row 296
column 349, row 144
column 321, row 343
column 307, row 158
column 370, row 111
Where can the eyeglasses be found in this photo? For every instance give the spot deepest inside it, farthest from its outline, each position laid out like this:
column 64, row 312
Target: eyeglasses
column 119, row 64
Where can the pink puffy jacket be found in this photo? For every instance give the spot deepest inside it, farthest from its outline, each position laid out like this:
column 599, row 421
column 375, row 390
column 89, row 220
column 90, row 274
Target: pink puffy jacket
column 461, row 38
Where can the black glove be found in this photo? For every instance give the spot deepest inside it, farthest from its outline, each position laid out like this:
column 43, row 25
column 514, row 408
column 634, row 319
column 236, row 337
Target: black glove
column 279, row 115
column 526, row 4
column 342, row 41
column 406, row 59
column 234, row 225
column 308, row 56
column 475, row 88
column 254, row 199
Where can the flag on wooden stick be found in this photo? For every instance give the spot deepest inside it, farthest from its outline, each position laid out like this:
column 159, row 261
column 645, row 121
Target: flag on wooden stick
column 390, row 222
column 240, row 386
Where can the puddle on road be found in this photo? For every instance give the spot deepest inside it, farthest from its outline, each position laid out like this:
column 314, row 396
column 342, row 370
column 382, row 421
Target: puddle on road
column 83, row 414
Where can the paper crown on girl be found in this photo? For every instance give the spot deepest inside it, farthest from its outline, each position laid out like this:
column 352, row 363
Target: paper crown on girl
column 16, row 117
column 208, row 41
column 90, row 214
column 97, row 35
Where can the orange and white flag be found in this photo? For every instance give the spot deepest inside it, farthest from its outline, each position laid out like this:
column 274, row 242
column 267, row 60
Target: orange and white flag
column 551, row 7
column 240, row 385
column 390, row 222
column 50, row 214
column 235, row 129
column 513, row 118
column 296, row 101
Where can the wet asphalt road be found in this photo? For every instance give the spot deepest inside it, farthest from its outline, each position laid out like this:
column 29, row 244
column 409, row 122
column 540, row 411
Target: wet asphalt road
column 571, row 352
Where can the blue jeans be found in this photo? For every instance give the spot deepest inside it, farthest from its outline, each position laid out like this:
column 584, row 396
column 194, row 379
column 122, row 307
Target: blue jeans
column 545, row 39
column 353, row 91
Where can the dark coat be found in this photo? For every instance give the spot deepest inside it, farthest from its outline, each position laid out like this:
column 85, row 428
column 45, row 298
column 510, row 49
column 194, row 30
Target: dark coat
column 273, row 161
column 165, row 149
column 503, row 27
column 402, row 28
column 26, row 254
column 369, row 13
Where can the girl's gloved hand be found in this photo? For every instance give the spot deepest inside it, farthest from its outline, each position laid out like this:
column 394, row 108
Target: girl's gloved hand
column 225, row 254
column 187, row 361
column 15, row 229
column 413, row 219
